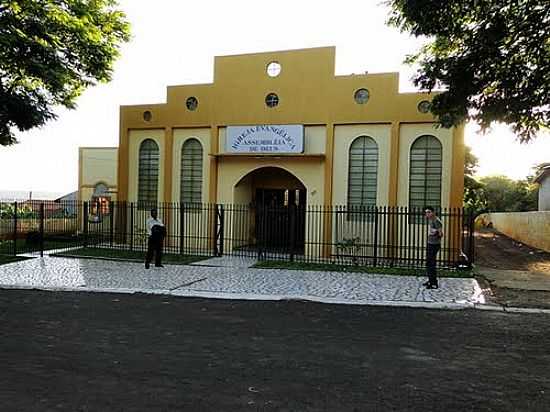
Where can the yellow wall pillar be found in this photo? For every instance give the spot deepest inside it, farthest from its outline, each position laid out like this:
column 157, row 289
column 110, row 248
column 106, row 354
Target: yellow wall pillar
column 213, row 184
column 123, row 163
column 457, row 173
column 393, row 186
column 168, row 153
column 394, row 165
column 329, row 160
column 457, row 188
column 122, row 178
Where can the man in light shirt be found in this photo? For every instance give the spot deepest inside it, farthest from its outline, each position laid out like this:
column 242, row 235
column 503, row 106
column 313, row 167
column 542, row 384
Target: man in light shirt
column 156, row 232
column 435, row 233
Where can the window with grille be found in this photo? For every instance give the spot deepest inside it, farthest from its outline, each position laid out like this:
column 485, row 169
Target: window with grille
column 362, row 178
column 191, row 172
column 425, row 175
column 148, row 174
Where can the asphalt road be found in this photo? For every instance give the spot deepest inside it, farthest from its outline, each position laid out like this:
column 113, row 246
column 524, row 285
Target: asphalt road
column 107, row 352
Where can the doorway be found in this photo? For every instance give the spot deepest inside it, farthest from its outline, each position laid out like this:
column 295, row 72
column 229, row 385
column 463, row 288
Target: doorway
column 270, row 212
column 280, row 219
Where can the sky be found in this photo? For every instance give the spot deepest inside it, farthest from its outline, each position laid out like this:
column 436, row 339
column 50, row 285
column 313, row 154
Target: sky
column 174, row 42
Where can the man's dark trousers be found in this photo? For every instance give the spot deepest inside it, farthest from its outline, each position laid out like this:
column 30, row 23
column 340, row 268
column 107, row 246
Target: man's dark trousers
column 154, row 246
column 431, row 254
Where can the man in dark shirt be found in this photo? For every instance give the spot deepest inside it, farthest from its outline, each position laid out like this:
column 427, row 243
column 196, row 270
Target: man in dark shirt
column 435, row 233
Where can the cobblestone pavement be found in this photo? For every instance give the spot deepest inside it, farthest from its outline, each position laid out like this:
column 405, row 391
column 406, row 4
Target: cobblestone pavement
column 236, row 280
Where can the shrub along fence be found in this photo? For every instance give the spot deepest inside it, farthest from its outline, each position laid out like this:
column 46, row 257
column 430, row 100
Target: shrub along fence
column 342, row 235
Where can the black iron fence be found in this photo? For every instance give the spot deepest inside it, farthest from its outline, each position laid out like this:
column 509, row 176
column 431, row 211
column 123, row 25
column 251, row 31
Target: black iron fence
column 343, row 235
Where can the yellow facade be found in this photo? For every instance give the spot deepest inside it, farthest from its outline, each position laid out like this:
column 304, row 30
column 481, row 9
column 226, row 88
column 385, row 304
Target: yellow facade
column 310, row 95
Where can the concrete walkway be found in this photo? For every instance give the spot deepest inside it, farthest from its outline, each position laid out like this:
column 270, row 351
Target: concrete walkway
column 233, row 278
column 517, row 279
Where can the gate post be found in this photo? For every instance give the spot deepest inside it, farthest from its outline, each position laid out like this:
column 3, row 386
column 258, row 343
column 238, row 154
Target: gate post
column 259, row 216
column 218, row 229
column 182, row 226
column 85, row 222
column 41, row 229
column 111, row 220
column 375, row 236
column 222, row 225
column 14, row 228
column 131, row 226
column 292, row 210
column 471, row 228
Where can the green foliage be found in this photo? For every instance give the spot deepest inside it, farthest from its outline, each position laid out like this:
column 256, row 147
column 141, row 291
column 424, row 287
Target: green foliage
column 506, row 195
column 349, row 247
column 496, row 193
column 491, row 57
column 471, row 162
column 475, row 199
column 23, row 211
column 141, row 235
column 50, row 51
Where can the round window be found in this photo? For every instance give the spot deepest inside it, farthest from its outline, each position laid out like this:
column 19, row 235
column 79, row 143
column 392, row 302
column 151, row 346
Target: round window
column 424, row 106
column 271, row 100
column 147, row 116
column 273, row 69
column 361, row 96
column 192, row 103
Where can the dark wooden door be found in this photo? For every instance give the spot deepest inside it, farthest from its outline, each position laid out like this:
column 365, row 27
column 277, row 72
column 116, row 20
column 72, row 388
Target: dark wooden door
column 280, row 219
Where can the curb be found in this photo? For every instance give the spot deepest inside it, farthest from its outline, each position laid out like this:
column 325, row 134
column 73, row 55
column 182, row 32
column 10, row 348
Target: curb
column 264, row 297
column 511, row 309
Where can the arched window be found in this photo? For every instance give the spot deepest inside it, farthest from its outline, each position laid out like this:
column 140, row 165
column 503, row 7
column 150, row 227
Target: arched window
column 191, row 172
column 425, row 172
column 362, row 174
column 148, row 174
column 100, row 189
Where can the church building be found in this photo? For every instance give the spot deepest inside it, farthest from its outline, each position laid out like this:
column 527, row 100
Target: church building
column 278, row 129
column 280, row 125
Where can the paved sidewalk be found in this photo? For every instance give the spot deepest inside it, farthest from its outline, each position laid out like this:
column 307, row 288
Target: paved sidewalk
column 234, row 279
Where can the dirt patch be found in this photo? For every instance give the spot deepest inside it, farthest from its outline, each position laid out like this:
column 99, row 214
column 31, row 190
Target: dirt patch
column 496, row 251
column 509, row 297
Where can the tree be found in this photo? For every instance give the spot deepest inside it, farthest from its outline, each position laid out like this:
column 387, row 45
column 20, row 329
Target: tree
column 491, row 57
column 50, row 51
column 7, row 211
column 471, row 162
column 507, row 195
column 475, row 199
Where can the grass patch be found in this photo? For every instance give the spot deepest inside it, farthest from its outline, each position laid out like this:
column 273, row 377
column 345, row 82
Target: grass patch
column 328, row 267
column 5, row 259
column 25, row 247
column 129, row 255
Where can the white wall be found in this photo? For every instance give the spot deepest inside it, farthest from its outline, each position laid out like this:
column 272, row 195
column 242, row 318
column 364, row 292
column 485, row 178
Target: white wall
column 544, row 194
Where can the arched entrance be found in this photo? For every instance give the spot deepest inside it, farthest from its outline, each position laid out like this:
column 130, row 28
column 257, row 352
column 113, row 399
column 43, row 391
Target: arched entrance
column 277, row 202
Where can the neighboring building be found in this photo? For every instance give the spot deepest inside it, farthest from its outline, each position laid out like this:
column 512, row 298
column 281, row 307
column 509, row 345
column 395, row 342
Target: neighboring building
column 21, row 195
column 543, row 179
column 68, row 203
column 97, row 177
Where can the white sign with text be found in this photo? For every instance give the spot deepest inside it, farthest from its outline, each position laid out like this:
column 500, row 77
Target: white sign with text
column 264, row 138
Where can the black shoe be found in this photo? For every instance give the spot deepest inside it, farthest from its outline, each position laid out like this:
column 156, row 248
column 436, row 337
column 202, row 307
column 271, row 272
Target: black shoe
column 159, row 266
column 147, row 266
column 432, row 286
column 426, row 284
